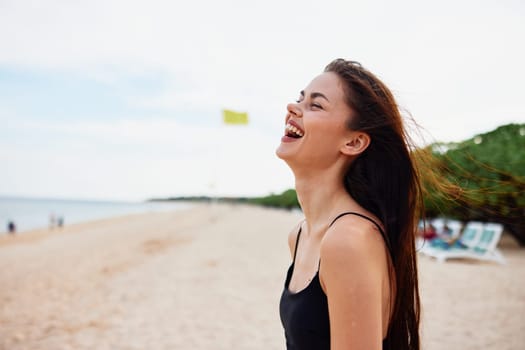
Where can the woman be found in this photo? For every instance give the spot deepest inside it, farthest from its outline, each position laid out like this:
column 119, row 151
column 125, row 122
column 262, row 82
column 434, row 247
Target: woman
column 353, row 280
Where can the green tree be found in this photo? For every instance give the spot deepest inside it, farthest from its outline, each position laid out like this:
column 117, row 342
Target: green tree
column 490, row 170
column 287, row 199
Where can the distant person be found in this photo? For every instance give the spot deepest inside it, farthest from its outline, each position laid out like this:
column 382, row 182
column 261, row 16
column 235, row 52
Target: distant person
column 446, row 232
column 60, row 221
column 52, row 221
column 444, row 239
column 11, row 227
column 352, row 282
column 429, row 232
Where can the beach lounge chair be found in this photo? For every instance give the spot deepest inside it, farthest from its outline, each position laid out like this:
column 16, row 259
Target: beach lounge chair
column 469, row 238
column 478, row 241
column 438, row 224
column 487, row 246
column 471, row 234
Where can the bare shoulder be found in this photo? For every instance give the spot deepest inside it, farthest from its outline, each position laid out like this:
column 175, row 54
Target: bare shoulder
column 354, row 274
column 353, row 242
column 292, row 237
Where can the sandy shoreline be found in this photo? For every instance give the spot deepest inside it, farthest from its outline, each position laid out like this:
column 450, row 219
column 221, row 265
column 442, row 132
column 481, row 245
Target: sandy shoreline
column 210, row 278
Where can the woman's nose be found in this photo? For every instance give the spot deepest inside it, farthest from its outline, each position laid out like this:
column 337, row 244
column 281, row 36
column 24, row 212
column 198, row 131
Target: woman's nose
column 294, row 109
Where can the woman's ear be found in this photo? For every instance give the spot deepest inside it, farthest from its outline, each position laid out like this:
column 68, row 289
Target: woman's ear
column 356, row 143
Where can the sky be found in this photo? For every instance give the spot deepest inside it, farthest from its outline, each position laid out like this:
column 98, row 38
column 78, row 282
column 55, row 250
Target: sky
column 122, row 100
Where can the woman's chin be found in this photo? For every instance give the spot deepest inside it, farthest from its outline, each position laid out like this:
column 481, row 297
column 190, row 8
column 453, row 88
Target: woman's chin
column 282, row 152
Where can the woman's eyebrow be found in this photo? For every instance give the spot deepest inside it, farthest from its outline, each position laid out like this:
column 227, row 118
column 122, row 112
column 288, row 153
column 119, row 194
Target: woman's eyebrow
column 315, row 94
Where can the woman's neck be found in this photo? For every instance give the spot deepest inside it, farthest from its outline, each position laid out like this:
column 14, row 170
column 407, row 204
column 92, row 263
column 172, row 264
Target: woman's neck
column 322, row 197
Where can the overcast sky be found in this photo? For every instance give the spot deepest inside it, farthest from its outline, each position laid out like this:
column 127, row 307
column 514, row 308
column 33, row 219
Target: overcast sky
column 122, row 99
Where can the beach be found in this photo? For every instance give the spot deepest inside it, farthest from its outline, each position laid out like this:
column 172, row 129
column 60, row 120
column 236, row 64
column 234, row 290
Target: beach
column 210, row 277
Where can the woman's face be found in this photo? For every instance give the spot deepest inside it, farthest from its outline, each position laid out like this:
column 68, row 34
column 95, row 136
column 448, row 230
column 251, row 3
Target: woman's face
column 316, row 128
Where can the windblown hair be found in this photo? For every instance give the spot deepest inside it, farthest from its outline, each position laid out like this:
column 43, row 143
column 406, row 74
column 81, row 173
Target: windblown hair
column 385, row 181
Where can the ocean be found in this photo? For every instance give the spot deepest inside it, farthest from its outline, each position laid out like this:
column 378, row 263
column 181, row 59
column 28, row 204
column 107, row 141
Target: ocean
column 32, row 213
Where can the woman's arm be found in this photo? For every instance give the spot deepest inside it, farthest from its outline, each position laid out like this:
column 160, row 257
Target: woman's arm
column 353, row 264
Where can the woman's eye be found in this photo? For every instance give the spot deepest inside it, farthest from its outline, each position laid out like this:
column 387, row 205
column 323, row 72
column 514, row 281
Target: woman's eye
column 315, row 105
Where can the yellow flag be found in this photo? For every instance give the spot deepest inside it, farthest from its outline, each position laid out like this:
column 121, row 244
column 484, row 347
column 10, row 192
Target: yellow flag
column 232, row 117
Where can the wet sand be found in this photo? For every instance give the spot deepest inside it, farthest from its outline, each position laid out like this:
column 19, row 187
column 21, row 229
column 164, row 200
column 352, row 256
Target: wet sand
column 210, row 277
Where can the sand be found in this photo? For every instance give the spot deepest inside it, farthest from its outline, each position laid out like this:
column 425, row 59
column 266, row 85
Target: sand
column 210, row 277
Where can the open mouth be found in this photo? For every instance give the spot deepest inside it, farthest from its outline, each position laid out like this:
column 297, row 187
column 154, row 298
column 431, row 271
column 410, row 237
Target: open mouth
column 293, row 131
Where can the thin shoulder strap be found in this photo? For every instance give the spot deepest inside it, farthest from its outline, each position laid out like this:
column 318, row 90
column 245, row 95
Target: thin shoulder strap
column 364, row 217
column 297, row 241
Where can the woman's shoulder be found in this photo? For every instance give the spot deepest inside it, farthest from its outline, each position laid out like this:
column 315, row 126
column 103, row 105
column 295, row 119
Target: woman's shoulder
column 352, row 238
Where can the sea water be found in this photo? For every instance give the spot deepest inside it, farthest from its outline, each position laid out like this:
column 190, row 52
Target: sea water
column 33, row 213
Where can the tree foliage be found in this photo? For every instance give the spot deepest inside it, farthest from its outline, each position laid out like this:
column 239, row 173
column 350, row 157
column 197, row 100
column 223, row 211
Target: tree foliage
column 287, row 199
column 489, row 171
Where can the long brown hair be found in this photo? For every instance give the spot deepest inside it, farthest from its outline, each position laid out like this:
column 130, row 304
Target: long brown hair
column 385, row 181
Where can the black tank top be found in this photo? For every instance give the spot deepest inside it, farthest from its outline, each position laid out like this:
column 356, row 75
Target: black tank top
column 304, row 314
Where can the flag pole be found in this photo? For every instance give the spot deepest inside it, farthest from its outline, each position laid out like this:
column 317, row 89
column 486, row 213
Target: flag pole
column 231, row 117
